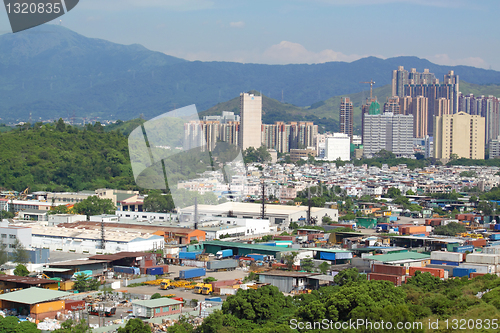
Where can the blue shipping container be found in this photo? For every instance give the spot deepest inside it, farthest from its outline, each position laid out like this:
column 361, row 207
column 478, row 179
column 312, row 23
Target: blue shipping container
column 460, row 271
column 192, row 273
column 256, row 257
column 124, row 269
column 213, row 299
column 188, row 255
column 269, row 244
column 497, row 226
column 442, row 262
column 154, row 271
column 495, row 237
column 463, row 249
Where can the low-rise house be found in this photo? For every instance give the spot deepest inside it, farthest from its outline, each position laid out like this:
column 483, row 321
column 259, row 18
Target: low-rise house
column 156, row 307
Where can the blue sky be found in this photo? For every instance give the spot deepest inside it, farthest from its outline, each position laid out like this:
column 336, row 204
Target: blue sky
column 449, row 32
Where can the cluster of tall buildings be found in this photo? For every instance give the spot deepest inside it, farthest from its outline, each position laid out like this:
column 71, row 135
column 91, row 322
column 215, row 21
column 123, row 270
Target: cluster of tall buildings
column 247, row 130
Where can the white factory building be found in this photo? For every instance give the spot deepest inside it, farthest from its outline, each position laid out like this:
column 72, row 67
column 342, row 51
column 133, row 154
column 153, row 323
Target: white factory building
column 338, row 146
column 234, row 227
column 280, row 215
column 9, row 233
column 80, row 240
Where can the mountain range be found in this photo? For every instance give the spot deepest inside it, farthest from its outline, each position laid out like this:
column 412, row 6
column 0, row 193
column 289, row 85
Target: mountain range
column 51, row 72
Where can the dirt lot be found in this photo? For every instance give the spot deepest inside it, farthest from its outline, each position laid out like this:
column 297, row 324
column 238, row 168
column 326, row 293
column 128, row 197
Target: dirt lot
column 226, row 275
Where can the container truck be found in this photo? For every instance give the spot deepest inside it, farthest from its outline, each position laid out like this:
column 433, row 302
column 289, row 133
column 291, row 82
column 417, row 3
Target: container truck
column 224, row 254
column 256, row 257
column 192, row 273
column 229, row 264
column 154, row 271
column 207, row 289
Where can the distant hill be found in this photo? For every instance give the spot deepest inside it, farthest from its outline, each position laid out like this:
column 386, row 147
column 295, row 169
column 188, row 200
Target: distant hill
column 51, row 72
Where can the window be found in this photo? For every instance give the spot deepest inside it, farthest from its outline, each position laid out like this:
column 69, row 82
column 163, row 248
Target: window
column 157, row 310
column 165, row 309
column 174, row 307
column 12, row 246
column 12, row 236
column 4, row 236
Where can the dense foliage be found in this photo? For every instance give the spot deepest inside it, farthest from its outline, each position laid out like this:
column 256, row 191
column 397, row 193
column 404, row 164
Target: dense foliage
column 451, row 229
column 422, row 299
column 58, row 157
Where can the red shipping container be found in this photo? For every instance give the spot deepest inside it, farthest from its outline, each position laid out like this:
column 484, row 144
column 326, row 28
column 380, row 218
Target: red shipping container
column 178, row 299
column 285, row 238
column 397, row 280
column 74, row 305
column 479, row 242
column 223, row 283
column 389, row 269
column 474, row 274
column 437, row 272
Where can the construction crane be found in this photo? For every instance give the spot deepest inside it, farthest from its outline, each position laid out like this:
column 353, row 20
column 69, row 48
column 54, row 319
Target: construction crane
column 371, row 83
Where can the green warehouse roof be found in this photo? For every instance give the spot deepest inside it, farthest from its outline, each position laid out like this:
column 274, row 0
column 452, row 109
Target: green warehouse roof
column 154, row 303
column 255, row 247
column 33, row 295
column 400, row 256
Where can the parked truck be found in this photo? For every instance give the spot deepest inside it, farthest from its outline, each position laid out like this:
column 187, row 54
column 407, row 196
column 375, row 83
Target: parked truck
column 207, row 289
column 224, row 254
column 192, row 273
column 229, row 264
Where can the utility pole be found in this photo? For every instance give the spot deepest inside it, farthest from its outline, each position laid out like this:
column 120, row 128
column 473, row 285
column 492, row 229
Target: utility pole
column 103, row 241
column 309, row 207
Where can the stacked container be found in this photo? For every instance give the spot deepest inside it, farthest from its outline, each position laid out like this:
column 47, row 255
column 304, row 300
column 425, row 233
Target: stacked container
column 446, row 258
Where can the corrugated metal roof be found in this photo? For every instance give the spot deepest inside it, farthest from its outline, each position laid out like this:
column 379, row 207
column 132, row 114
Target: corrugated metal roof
column 248, row 246
column 400, row 256
column 33, row 295
column 77, row 262
column 154, row 303
column 24, row 279
column 56, row 270
column 118, row 256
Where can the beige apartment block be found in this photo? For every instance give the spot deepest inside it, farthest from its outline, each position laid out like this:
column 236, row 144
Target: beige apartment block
column 251, row 121
column 461, row 134
column 419, row 110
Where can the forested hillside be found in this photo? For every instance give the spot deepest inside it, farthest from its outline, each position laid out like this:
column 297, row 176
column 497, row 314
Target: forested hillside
column 58, row 157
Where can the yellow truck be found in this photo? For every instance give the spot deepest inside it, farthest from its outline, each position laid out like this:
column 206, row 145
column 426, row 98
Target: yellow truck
column 207, row 289
column 165, row 284
column 198, row 288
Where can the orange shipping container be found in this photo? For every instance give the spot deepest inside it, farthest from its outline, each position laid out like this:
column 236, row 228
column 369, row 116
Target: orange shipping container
column 67, row 285
column 389, row 269
column 47, row 307
column 437, row 272
column 479, row 242
column 397, row 280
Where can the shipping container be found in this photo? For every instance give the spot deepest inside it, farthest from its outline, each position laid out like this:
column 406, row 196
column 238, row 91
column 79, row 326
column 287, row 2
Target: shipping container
column 480, row 268
column 464, row 248
column 443, row 262
column 478, row 242
column 389, row 269
column 446, row 256
column 227, row 291
column 491, row 250
column 433, row 222
column 396, row 279
column 256, row 257
column 496, row 227
column 213, row 299
column 495, row 237
column 481, row 258
column 460, row 272
column 189, row 255
column 475, row 274
column 192, row 273
column 178, row 299
column 74, row 305
column 47, row 307
column 66, row 285
column 223, row 264
column 448, row 270
column 154, row 271
column 224, row 254
column 436, row 272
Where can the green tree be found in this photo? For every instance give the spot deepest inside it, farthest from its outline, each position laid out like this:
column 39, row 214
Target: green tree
column 20, row 254
column 135, row 326
column 21, row 270
column 349, row 275
column 393, row 192
column 72, row 326
column 289, row 259
column 155, row 296
column 61, row 209
column 181, row 326
column 307, row 264
column 324, row 267
column 85, row 283
column 94, row 205
column 4, row 255
column 451, row 229
column 11, row 324
column 158, row 202
column 209, row 279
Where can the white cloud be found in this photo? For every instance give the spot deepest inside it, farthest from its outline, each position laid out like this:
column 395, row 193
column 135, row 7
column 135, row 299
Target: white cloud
column 239, row 24
column 282, row 53
column 294, row 53
column 445, row 59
